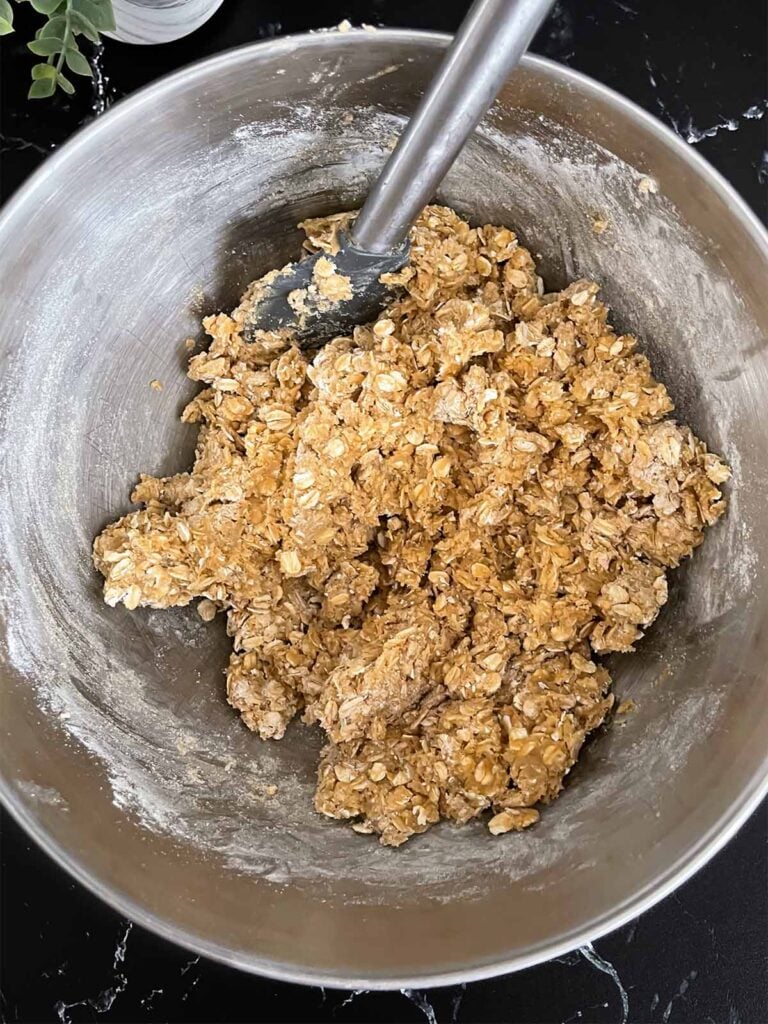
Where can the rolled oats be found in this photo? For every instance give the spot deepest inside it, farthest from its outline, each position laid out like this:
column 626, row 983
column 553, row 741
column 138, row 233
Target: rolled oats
column 424, row 534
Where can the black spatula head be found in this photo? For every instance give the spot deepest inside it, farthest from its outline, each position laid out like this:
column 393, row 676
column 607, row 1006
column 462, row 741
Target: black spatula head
column 323, row 296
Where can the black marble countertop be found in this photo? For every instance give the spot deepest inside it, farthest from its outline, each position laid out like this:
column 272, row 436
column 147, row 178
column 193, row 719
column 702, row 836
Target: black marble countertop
column 701, row 955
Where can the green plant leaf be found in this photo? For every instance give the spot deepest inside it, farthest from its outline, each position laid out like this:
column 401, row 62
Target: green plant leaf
column 6, row 18
column 46, row 47
column 98, row 12
column 55, row 27
column 83, row 25
column 65, row 84
column 77, row 63
column 43, row 71
column 46, row 6
column 41, row 88
column 57, row 39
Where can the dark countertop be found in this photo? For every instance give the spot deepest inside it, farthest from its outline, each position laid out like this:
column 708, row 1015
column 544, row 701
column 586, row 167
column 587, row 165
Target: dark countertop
column 702, row 954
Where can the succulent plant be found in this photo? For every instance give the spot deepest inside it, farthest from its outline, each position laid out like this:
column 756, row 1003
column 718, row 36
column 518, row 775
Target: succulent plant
column 57, row 39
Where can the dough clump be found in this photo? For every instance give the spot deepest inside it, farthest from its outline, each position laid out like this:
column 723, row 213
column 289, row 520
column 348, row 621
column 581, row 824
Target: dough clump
column 424, row 536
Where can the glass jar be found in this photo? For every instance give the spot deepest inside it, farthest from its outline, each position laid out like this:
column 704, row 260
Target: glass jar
column 159, row 21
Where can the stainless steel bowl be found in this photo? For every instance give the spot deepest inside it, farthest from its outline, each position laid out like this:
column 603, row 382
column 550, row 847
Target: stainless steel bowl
column 119, row 754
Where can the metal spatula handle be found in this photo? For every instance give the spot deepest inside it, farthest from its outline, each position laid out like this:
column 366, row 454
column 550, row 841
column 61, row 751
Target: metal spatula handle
column 490, row 42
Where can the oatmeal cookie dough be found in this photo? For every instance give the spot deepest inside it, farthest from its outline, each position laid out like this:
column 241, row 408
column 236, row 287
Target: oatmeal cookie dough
column 423, row 535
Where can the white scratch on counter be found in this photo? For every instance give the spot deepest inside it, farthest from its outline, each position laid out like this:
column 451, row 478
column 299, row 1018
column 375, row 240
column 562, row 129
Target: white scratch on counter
column 694, row 135
column 593, row 957
column 420, row 1000
column 625, row 8
column 149, row 999
column 352, row 996
column 15, row 142
column 705, row 925
column 688, row 131
column 578, row 1016
column 185, row 970
column 105, row 1000
column 663, row 109
column 685, row 984
column 456, row 1001
column 121, row 945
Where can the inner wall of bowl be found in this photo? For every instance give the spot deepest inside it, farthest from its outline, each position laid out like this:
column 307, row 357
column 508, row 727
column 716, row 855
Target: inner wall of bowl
column 159, row 232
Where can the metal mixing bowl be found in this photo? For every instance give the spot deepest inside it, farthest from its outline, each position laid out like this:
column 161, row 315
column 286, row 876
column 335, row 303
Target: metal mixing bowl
column 119, row 754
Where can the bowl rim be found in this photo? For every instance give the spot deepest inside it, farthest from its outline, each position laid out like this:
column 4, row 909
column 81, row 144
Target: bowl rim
column 667, row 880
